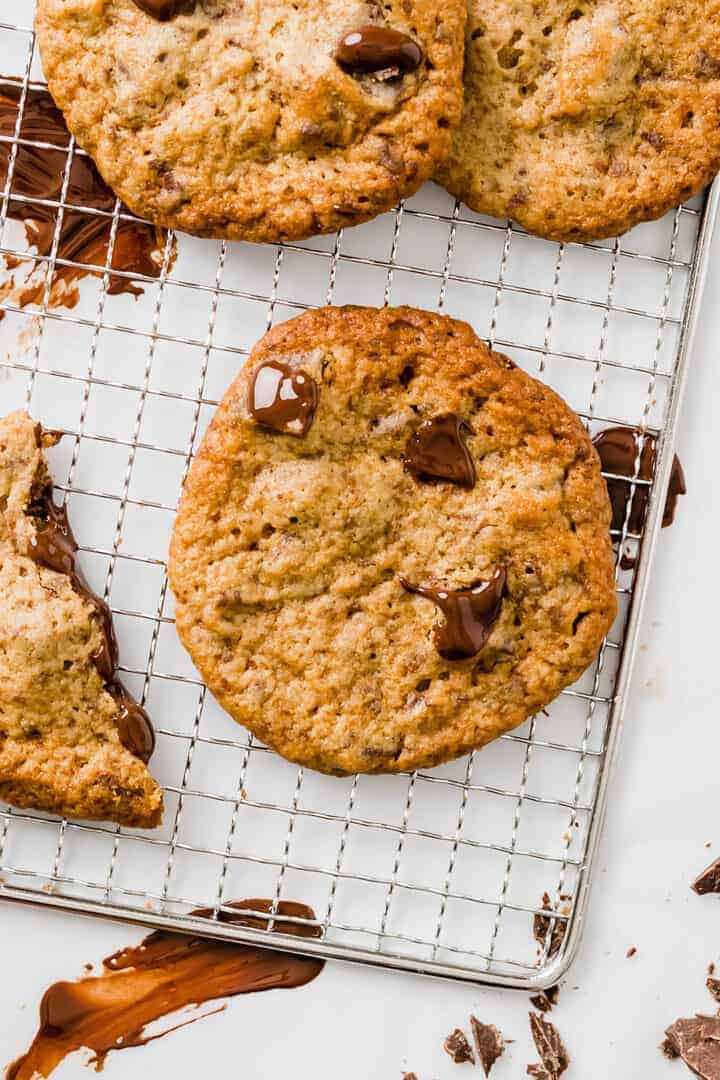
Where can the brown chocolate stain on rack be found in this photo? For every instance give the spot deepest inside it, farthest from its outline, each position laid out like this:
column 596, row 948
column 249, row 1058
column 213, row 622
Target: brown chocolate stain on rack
column 164, row 973
column 38, row 173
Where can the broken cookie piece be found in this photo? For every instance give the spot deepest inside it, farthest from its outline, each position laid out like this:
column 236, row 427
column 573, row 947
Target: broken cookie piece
column 72, row 740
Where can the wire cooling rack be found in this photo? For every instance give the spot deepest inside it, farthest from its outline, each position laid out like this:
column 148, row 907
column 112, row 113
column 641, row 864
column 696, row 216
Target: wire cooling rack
column 442, row 871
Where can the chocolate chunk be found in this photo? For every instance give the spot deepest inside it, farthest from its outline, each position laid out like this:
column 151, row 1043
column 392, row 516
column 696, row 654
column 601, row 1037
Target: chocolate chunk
column 459, row 1049
column 546, row 999
column 489, row 1043
column 437, row 451
column 283, row 398
column 709, row 880
column 541, row 926
column 553, row 1054
column 618, row 449
column 162, row 10
column 713, row 986
column 469, row 614
column 697, row 1041
column 376, row 50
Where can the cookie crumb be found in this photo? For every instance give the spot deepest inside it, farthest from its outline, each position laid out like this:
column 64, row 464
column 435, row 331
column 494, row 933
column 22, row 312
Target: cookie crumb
column 631, row 952
column 458, row 1047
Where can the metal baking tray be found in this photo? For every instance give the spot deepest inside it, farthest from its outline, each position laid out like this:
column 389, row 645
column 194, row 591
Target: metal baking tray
column 442, row 871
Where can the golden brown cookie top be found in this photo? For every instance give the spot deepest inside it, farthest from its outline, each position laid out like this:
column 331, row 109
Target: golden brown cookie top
column 581, row 120
column 409, row 571
column 72, row 740
column 261, row 119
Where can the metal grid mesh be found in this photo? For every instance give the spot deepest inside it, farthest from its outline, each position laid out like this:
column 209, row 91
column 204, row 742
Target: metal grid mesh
column 439, row 871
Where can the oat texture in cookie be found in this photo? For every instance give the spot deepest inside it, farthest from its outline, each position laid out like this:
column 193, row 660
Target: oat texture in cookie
column 393, row 544
column 257, row 119
column 583, row 119
column 72, row 739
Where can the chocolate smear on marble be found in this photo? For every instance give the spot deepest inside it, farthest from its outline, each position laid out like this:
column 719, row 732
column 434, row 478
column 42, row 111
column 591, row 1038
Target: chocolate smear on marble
column 469, row 614
column 697, row 1041
column 489, row 1043
column 709, row 880
column 546, row 999
column 53, row 545
column 437, row 451
column 38, row 173
column 625, row 452
column 282, row 398
column 378, row 50
column 458, row 1047
column 553, row 1055
column 164, row 973
column 541, row 926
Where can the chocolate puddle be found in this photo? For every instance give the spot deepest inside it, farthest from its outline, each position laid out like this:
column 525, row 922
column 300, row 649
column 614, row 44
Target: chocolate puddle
column 437, row 451
column 84, row 238
column 54, row 546
column 164, row 973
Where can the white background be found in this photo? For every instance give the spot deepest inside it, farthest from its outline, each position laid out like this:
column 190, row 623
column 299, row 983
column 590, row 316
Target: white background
column 357, row 1023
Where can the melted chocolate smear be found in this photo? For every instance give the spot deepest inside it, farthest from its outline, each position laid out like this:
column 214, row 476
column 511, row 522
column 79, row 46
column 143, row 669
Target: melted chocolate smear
column 84, row 238
column 470, row 614
column 437, row 451
column 709, row 880
column 697, row 1041
column 378, row 50
column 54, row 546
column 162, row 974
column 282, row 398
column 618, row 450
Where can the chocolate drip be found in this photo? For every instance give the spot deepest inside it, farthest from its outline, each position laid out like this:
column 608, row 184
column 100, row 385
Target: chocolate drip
column 618, row 449
column 282, row 398
column 84, row 238
column 54, row 546
column 165, row 972
column 437, row 451
column 373, row 50
column 469, row 613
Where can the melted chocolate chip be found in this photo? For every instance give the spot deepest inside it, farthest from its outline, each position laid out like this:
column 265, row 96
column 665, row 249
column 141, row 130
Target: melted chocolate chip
column 282, row 398
column 162, row 10
column 618, row 449
column 470, row 614
column 372, row 50
column 437, row 451
column 133, row 723
column 54, row 546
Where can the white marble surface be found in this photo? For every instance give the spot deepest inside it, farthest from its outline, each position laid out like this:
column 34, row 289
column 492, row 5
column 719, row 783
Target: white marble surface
column 358, row 1023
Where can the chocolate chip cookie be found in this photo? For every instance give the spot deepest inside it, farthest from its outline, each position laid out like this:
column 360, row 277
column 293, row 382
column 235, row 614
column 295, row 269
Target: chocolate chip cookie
column 257, row 120
column 393, row 544
column 583, row 119
column 72, row 740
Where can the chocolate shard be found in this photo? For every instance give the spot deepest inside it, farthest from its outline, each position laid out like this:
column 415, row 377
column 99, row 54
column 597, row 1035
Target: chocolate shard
column 489, row 1043
column 713, row 986
column 697, row 1041
column 541, row 926
column 458, row 1047
column 409, row 1076
column 539, row 1072
column 437, row 451
column 550, row 1047
column 546, row 999
column 709, row 880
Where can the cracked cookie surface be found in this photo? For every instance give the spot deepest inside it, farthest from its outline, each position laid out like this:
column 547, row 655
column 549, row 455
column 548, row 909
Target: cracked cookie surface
column 583, row 119
column 72, row 741
column 254, row 119
column 291, row 545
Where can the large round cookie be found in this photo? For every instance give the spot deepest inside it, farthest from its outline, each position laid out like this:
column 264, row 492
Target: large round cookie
column 257, row 119
column 299, row 561
column 583, row 119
